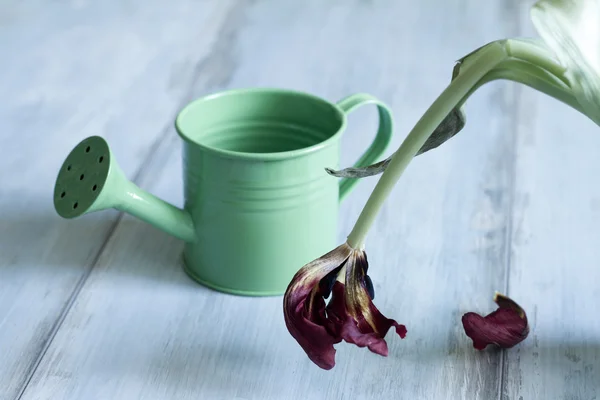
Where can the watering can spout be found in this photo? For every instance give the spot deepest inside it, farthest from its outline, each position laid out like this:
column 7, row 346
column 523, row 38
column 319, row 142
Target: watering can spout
column 91, row 180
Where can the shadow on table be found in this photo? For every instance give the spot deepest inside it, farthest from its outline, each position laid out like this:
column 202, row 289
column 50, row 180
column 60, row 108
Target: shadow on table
column 546, row 356
column 238, row 368
column 43, row 241
column 206, row 369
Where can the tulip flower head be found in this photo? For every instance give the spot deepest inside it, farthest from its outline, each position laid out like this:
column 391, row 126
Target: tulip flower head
column 350, row 314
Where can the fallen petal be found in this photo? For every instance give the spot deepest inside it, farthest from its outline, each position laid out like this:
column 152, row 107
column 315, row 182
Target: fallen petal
column 505, row 327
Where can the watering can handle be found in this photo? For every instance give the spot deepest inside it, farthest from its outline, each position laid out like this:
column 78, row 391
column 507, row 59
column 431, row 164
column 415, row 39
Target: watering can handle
column 379, row 144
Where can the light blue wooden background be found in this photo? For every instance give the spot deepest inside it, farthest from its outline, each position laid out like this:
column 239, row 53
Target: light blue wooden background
column 99, row 307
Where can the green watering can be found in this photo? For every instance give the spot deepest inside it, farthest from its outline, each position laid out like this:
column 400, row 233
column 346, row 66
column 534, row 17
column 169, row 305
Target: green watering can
column 258, row 202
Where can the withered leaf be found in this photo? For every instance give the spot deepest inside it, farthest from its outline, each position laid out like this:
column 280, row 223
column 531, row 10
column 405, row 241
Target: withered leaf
column 450, row 126
column 453, row 123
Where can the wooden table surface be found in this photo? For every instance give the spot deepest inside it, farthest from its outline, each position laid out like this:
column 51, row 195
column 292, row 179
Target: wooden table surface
column 100, row 308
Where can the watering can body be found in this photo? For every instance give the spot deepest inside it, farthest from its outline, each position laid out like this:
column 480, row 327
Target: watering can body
column 258, row 204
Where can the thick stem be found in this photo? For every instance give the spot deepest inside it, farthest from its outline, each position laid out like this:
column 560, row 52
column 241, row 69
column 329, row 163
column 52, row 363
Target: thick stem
column 533, row 76
column 487, row 59
column 556, row 92
column 535, row 52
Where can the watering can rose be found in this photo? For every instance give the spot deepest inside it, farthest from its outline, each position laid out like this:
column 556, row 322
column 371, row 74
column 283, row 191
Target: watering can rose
column 350, row 314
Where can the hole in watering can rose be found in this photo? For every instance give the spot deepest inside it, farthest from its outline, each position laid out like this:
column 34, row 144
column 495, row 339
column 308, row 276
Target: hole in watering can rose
column 100, row 159
column 68, row 167
column 63, row 194
column 81, row 177
column 87, row 149
column 75, row 205
column 94, row 188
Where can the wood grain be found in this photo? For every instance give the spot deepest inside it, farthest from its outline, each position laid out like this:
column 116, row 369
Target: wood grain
column 553, row 268
column 139, row 328
column 69, row 70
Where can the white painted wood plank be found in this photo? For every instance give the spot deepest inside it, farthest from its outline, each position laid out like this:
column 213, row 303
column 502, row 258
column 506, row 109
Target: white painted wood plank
column 70, row 70
column 141, row 329
column 554, row 271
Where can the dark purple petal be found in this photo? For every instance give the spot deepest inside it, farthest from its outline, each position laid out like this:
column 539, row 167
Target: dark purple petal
column 359, row 331
column 369, row 287
column 326, row 284
column 304, row 306
column 350, row 314
column 505, row 327
column 359, row 302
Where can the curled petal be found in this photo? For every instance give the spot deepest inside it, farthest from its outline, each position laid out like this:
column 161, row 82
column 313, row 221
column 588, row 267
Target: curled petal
column 357, row 330
column 304, row 306
column 352, row 312
column 505, row 327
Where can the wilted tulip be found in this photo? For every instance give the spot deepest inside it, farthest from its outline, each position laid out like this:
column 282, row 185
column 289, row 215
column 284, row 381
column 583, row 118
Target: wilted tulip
column 350, row 314
column 565, row 64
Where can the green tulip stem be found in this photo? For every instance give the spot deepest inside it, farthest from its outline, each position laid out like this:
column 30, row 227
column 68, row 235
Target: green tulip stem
column 523, row 61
